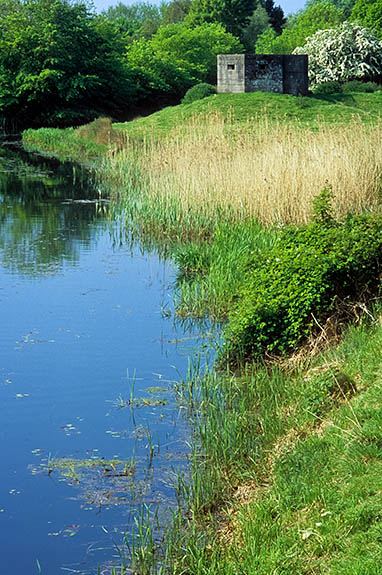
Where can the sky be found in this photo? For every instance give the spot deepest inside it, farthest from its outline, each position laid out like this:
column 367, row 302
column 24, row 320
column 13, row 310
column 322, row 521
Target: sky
column 289, row 6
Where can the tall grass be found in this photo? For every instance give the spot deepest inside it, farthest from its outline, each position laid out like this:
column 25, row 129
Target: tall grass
column 77, row 144
column 210, row 274
column 287, row 467
column 265, row 170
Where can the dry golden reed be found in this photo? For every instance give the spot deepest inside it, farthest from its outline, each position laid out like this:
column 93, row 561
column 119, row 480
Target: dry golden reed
column 262, row 169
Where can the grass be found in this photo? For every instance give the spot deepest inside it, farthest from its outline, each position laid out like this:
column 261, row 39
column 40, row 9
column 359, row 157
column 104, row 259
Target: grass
column 292, row 463
column 232, row 157
column 268, row 171
column 210, row 274
column 77, row 144
column 311, row 111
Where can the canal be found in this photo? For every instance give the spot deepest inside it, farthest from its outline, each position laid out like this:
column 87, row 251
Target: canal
column 91, row 423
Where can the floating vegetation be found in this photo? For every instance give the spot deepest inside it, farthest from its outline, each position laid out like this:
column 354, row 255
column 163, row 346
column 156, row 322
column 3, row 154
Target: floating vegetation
column 155, row 390
column 103, row 482
column 141, row 402
column 74, row 468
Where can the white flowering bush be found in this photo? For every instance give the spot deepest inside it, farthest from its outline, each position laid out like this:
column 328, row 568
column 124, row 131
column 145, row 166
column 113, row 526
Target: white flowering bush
column 347, row 52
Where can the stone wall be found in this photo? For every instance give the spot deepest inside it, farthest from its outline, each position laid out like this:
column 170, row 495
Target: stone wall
column 283, row 74
column 231, row 73
column 296, row 74
column 264, row 73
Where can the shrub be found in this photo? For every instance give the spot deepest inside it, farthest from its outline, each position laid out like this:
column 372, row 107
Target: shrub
column 357, row 86
column 333, row 87
column 347, row 52
column 296, row 283
column 328, row 88
column 198, row 92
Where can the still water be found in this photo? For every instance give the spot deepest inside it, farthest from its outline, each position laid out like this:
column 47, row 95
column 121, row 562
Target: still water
column 89, row 359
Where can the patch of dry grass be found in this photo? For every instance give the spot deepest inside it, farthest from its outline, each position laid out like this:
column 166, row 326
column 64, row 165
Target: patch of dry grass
column 263, row 169
column 99, row 131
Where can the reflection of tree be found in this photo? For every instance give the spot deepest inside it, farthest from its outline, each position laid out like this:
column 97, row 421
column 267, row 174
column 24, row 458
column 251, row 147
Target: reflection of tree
column 41, row 228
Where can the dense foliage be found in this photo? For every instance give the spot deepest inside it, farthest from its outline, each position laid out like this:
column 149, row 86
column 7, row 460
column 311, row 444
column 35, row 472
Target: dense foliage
column 345, row 5
column 233, row 14
column 298, row 282
column 368, row 13
column 318, row 16
column 177, row 57
column 198, row 92
column 58, row 63
column 334, row 87
column 258, row 23
column 347, row 52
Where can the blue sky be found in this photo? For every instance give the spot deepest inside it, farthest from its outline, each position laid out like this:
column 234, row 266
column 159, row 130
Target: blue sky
column 287, row 5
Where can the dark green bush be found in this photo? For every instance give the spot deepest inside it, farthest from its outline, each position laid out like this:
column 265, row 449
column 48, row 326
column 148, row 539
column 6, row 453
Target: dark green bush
column 198, row 92
column 296, row 283
column 328, row 88
column 357, row 86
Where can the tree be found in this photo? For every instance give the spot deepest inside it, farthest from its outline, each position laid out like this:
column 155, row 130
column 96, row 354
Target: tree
column 257, row 24
column 275, row 14
column 196, row 48
column 368, row 13
column 232, row 14
column 138, row 20
column 177, row 57
column 265, row 43
column 318, row 16
column 58, row 63
column 175, row 11
column 347, row 52
column 345, row 5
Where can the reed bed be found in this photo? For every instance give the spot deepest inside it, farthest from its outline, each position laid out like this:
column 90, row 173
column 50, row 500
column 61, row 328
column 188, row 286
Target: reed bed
column 264, row 170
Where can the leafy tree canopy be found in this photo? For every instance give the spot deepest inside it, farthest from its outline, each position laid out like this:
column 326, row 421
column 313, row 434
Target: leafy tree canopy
column 232, row 14
column 177, row 57
column 175, row 11
column 345, row 5
column 275, row 14
column 58, row 62
column 318, row 16
column 369, row 13
column 137, row 20
column 257, row 24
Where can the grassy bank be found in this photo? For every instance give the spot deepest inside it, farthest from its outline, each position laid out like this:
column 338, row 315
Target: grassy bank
column 76, row 144
column 286, row 461
column 231, row 158
column 263, row 170
column 241, row 108
column 292, row 461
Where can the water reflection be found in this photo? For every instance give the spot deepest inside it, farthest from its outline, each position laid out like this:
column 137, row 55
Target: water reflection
column 47, row 211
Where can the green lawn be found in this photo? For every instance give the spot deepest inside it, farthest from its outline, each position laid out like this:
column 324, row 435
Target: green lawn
column 282, row 107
